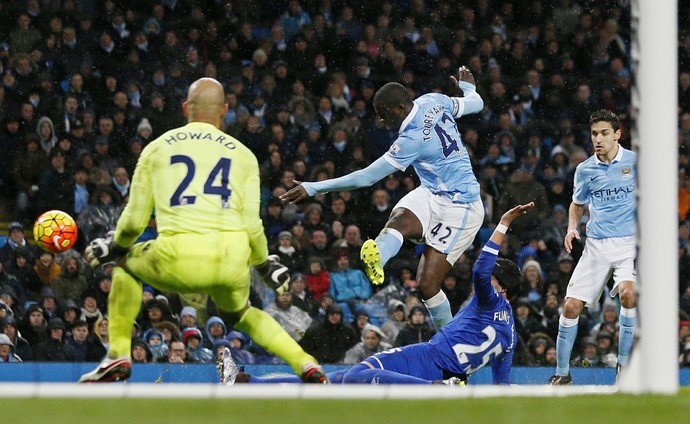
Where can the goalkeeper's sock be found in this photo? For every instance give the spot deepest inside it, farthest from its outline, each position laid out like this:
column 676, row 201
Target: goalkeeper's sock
column 627, row 333
column 439, row 309
column 567, row 332
column 389, row 242
column 265, row 331
column 124, row 303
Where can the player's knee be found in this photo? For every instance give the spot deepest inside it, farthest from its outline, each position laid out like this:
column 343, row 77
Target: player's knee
column 354, row 374
column 572, row 308
column 627, row 296
column 405, row 222
column 428, row 287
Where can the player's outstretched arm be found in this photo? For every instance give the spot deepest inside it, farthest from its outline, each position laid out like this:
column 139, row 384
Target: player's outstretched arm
column 379, row 169
column 575, row 213
column 465, row 75
column 483, row 267
column 295, row 194
column 471, row 102
column 507, row 219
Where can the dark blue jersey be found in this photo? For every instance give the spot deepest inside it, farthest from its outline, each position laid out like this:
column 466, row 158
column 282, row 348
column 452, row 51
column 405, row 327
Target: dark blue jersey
column 483, row 331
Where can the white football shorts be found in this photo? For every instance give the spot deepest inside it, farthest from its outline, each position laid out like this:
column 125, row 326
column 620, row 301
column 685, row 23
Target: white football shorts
column 599, row 258
column 448, row 227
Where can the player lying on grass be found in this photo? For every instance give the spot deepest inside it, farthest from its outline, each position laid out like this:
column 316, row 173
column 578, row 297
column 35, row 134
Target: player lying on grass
column 480, row 334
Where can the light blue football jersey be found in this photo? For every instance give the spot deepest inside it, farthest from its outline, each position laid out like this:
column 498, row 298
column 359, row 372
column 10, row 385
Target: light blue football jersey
column 429, row 140
column 610, row 192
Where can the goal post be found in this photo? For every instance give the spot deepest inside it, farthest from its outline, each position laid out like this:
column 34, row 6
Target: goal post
column 654, row 364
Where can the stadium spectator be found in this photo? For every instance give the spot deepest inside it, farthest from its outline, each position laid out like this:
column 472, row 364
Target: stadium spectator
column 417, row 329
column 188, row 317
column 538, row 345
column 34, row 326
column 294, row 320
column 329, row 340
column 13, row 291
column 289, row 252
column 141, row 354
column 317, row 277
column 7, row 350
column 237, row 343
column 301, row 296
column 397, row 320
column 54, row 349
column 89, row 308
column 99, row 340
column 349, row 286
column 28, row 166
column 21, row 346
column 78, row 340
column 8, row 297
column 372, row 343
column 70, row 313
column 154, row 340
column 215, row 330
column 71, row 283
column 169, row 330
column 192, row 339
column 55, row 184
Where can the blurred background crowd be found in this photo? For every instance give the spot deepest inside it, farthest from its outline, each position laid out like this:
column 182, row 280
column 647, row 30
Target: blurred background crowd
column 87, row 84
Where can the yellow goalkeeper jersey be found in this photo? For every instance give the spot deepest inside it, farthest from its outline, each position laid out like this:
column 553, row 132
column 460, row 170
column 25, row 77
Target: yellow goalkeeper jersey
column 199, row 180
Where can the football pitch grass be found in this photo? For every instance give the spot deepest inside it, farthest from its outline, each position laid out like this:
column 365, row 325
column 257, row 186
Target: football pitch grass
column 609, row 409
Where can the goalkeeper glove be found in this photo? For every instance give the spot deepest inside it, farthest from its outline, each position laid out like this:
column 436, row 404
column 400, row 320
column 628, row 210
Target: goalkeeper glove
column 275, row 274
column 102, row 250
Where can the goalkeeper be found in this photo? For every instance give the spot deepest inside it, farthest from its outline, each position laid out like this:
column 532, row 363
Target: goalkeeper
column 204, row 186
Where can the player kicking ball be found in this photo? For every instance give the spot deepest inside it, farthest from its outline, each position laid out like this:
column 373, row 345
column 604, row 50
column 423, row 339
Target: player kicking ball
column 482, row 333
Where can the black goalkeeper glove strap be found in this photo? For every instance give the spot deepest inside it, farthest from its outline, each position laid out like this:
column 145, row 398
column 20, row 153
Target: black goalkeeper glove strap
column 274, row 274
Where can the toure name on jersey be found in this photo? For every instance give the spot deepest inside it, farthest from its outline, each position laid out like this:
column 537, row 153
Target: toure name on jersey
column 502, row 316
column 430, row 119
column 200, row 136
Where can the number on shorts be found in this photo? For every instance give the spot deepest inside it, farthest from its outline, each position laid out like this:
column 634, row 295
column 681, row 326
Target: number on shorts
column 437, row 228
column 462, row 350
column 222, row 169
column 448, row 144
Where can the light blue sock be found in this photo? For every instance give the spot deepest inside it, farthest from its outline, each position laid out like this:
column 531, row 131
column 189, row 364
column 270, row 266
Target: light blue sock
column 439, row 309
column 626, row 334
column 567, row 332
column 389, row 242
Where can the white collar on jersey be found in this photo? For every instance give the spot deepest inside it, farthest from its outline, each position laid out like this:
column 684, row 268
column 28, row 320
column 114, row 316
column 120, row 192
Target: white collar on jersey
column 409, row 117
column 618, row 157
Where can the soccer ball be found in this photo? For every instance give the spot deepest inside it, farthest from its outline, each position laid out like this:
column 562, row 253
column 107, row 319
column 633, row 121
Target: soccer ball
column 55, row 231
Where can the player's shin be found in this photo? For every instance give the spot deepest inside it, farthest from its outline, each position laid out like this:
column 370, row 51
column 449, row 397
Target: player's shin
column 567, row 332
column 627, row 333
column 439, row 309
column 265, row 331
column 124, row 303
column 389, row 242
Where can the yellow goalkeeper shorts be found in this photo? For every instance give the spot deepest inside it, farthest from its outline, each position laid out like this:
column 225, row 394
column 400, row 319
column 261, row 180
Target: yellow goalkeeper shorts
column 213, row 263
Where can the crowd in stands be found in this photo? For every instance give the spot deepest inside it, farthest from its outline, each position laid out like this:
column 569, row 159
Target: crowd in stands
column 86, row 85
